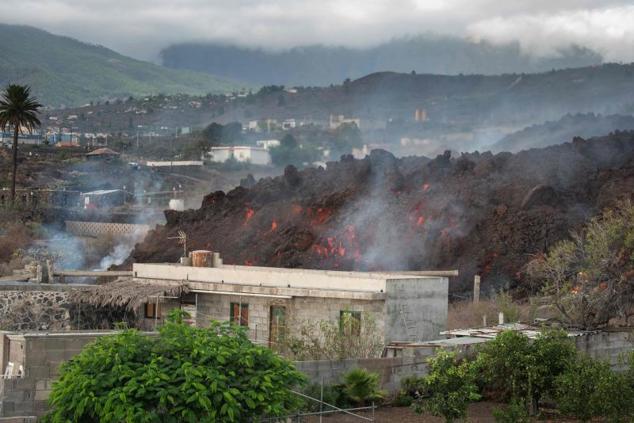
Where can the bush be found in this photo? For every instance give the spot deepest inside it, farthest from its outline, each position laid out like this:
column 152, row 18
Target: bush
column 451, row 387
column 412, row 387
column 185, row 374
column 333, row 395
column 514, row 412
column 589, row 278
column 362, row 387
column 514, row 368
column 588, row 389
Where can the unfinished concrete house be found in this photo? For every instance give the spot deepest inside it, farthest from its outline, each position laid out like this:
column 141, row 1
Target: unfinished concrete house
column 273, row 302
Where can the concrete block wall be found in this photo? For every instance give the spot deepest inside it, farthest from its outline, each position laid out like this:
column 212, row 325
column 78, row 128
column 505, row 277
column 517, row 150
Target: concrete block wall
column 41, row 355
column 416, row 309
column 391, row 370
column 611, row 346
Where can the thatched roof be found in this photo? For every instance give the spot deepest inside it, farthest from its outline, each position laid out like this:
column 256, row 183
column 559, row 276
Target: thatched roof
column 125, row 292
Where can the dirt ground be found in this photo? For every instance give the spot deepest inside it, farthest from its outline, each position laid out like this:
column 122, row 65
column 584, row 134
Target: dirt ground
column 480, row 412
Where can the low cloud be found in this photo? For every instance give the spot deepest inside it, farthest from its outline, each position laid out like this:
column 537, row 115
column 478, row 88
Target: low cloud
column 142, row 27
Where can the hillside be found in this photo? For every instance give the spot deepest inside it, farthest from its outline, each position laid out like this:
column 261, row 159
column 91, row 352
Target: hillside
column 478, row 212
column 563, row 130
column 64, row 71
column 463, row 101
column 324, row 65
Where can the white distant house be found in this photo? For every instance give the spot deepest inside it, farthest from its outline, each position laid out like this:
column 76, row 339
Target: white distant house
column 267, row 144
column 253, row 155
column 336, row 121
column 289, row 124
column 174, row 163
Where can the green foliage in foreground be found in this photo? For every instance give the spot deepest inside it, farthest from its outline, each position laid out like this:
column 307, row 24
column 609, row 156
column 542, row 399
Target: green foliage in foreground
column 451, row 386
column 513, row 367
column 185, row 374
column 362, row 387
column 589, row 388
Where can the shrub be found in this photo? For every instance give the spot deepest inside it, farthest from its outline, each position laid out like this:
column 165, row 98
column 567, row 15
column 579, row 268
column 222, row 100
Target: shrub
column 504, row 365
column 332, row 394
column 451, row 387
column 588, row 389
column 185, row 374
column 514, row 412
column 362, row 387
column 514, row 368
column 589, row 278
column 412, row 387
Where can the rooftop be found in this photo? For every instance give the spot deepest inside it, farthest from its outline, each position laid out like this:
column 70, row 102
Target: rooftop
column 276, row 277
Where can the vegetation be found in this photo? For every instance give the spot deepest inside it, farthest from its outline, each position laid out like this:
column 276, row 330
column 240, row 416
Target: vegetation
column 590, row 277
column 451, row 387
column 590, row 389
column 291, row 152
column 358, row 388
column 515, row 369
column 362, row 387
column 521, row 373
column 66, row 71
column 18, row 113
column 184, row 374
column 354, row 337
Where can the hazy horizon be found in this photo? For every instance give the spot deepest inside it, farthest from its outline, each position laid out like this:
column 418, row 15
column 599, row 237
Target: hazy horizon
column 145, row 27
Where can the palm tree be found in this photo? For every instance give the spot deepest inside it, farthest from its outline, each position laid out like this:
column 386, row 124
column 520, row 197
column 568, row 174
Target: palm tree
column 18, row 111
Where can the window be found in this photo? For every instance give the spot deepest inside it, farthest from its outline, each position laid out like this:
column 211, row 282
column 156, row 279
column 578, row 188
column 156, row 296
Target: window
column 277, row 327
column 350, row 322
column 239, row 314
column 152, row 311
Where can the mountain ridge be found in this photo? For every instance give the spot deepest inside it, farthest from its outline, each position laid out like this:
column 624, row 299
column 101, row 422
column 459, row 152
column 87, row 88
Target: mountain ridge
column 323, row 65
column 65, row 71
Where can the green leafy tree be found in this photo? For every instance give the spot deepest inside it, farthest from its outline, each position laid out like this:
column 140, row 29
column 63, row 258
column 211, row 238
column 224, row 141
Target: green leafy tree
column 589, row 388
column 184, row 374
column 347, row 136
column 290, row 151
column 516, row 369
column 590, row 278
column 18, row 112
column 451, row 387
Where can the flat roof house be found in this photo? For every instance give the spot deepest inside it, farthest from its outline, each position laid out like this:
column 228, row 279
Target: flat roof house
column 405, row 307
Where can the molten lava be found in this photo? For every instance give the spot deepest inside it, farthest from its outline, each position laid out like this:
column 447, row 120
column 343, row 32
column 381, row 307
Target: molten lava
column 248, row 214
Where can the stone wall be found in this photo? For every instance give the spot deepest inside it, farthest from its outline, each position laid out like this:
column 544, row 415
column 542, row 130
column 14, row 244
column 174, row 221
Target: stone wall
column 45, row 307
column 29, row 307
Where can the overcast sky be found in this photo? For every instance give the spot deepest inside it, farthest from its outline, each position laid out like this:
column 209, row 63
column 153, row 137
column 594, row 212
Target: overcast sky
column 140, row 28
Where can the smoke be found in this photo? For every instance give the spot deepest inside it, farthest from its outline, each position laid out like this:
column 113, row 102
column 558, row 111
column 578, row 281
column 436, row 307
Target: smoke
column 121, row 250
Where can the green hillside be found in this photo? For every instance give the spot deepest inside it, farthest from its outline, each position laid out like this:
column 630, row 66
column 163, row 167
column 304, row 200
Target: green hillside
column 64, row 71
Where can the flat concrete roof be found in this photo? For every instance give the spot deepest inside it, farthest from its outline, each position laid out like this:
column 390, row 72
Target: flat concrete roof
column 273, row 276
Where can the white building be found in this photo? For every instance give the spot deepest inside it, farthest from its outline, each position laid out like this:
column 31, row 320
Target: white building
column 289, row 124
column 253, row 155
column 267, row 144
column 337, row 120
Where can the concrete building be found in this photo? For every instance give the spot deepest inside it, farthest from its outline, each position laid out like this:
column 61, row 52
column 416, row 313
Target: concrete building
column 336, row 121
column 24, row 137
column 267, row 144
column 253, row 155
column 275, row 301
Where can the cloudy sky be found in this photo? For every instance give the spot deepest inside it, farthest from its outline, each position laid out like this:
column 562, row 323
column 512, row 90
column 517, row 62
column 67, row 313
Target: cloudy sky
column 140, row 28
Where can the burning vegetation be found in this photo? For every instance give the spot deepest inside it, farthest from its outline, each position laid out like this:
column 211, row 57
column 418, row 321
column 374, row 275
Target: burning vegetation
column 479, row 212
